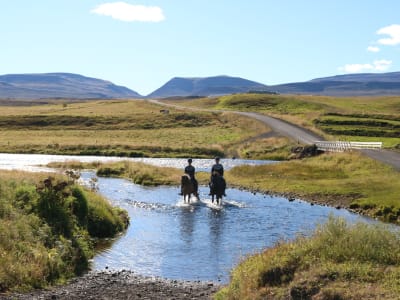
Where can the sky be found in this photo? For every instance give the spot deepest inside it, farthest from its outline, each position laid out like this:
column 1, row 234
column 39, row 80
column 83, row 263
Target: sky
column 142, row 44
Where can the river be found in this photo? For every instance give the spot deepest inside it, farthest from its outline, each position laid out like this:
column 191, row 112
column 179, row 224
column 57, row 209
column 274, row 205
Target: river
column 200, row 241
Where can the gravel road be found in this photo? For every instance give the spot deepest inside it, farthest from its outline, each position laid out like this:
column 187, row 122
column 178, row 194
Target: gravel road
column 302, row 135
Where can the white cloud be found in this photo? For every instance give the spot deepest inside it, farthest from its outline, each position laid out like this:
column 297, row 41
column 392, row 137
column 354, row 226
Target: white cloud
column 393, row 31
column 382, row 65
column 377, row 65
column 373, row 49
column 130, row 13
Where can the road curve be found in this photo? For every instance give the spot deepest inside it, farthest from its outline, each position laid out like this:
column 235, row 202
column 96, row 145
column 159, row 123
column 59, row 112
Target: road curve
column 299, row 134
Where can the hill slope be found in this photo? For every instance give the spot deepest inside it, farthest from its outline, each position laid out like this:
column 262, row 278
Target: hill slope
column 363, row 84
column 206, row 86
column 59, row 85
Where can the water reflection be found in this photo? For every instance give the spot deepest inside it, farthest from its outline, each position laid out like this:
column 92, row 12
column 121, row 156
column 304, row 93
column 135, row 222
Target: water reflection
column 187, row 223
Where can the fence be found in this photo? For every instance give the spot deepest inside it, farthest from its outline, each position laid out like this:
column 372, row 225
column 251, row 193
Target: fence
column 339, row 146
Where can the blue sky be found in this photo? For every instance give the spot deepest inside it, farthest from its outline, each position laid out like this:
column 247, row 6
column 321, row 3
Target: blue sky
column 142, row 44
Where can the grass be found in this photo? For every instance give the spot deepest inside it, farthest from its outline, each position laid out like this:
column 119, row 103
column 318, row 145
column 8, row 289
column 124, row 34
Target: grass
column 352, row 118
column 141, row 173
column 48, row 226
column 338, row 261
column 132, row 128
column 348, row 180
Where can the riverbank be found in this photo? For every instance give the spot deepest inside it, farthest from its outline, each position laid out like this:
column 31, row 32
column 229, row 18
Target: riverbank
column 123, row 285
column 48, row 225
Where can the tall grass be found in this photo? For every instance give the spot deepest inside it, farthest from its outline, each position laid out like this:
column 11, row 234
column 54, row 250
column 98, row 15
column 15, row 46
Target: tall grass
column 338, row 261
column 47, row 229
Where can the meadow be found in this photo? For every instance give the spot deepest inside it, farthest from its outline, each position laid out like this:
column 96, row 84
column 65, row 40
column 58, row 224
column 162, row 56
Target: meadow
column 133, row 128
column 335, row 118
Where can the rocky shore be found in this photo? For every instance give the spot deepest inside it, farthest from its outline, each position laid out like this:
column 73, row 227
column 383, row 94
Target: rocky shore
column 122, row 285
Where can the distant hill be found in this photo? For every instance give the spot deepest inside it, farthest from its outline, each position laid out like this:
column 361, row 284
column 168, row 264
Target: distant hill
column 363, row 84
column 206, row 86
column 60, row 85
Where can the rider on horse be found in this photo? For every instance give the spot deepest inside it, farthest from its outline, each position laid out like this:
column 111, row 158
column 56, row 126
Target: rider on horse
column 218, row 170
column 190, row 170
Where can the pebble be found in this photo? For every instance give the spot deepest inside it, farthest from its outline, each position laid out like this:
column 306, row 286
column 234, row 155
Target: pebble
column 122, row 285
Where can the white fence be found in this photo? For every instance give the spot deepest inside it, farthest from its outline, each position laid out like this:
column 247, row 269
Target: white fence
column 339, row 146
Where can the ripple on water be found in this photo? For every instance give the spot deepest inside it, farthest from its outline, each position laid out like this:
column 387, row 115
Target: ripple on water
column 192, row 242
column 201, row 240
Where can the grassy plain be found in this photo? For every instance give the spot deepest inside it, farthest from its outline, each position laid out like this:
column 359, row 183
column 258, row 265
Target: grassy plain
column 335, row 118
column 124, row 128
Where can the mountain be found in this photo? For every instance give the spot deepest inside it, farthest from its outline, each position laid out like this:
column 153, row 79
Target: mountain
column 206, row 86
column 60, row 85
column 362, row 84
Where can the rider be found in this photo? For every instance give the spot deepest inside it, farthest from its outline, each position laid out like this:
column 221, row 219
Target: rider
column 190, row 170
column 218, row 169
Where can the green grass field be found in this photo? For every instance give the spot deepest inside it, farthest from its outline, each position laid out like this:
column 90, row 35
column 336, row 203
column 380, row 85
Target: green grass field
column 336, row 118
column 124, row 128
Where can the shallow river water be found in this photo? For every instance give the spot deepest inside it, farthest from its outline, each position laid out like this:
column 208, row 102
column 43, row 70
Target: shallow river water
column 200, row 241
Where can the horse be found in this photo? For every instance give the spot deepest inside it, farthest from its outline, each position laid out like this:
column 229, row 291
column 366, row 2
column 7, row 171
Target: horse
column 187, row 187
column 217, row 187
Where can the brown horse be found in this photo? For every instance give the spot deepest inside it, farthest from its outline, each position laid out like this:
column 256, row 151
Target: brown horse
column 187, row 187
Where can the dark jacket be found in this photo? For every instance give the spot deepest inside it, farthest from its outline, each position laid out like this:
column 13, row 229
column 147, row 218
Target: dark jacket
column 218, row 168
column 190, row 170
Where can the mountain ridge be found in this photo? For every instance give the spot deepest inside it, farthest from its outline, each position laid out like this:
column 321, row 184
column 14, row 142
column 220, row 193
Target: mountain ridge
column 70, row 85
column 60, row 85
column 205, row 86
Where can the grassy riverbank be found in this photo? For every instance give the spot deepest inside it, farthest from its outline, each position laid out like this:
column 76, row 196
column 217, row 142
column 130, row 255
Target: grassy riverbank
column 339, row 261
column 346, row 180
column 48, row 226
column 132, row 128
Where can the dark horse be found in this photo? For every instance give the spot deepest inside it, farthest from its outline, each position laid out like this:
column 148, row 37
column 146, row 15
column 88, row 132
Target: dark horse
column 217, row 187
column 187, row 187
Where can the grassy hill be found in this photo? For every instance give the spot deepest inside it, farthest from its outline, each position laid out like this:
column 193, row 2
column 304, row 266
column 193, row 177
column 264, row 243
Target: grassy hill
column 336, row 118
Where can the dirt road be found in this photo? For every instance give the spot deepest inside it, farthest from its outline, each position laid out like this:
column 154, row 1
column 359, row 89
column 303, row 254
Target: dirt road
column 301, row 135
